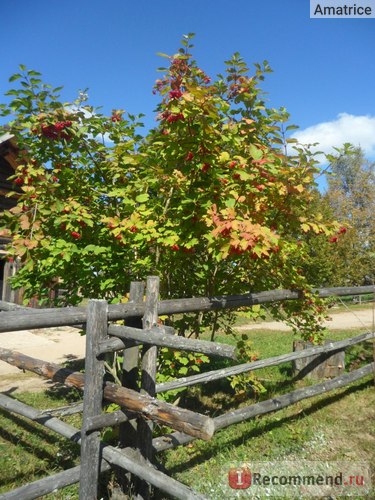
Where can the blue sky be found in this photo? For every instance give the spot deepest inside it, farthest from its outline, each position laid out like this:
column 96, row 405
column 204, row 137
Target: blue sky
column 324, row 70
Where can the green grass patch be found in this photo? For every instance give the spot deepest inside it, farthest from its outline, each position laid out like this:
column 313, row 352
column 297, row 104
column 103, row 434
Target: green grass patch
column 29, row 451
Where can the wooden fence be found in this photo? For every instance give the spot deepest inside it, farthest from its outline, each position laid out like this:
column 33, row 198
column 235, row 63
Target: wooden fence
column 136, row 396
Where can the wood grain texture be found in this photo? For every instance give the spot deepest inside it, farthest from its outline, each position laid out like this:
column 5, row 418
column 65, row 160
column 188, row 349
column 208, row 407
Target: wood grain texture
column 96, row 330
column 43, row 318
column 150, row 408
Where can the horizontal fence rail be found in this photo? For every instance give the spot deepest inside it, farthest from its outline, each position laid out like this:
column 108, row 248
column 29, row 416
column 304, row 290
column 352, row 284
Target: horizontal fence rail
column 150, row 408
column 204, row 378
column 25, row 318
column 175, row 439
column 126, row 458
column 142, row 408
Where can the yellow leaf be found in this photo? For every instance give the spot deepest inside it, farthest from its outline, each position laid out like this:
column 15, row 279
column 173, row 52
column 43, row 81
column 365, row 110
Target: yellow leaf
column 224, row 157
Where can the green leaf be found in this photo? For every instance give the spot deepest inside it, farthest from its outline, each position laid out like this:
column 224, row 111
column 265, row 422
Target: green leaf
column 255, row 153
column 141, row 198
column 15, row 77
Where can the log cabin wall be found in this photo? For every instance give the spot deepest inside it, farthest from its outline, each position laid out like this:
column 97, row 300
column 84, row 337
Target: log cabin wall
column 8, row 164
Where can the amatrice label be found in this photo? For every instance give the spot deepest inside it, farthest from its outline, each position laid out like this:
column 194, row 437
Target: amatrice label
column 341, row 9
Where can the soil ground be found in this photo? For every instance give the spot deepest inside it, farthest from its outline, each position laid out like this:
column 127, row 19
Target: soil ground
column 62, row 344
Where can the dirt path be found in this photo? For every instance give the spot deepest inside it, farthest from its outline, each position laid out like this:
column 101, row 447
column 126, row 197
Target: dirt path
column 50, row 344
column 361, row 318
column 64, row 343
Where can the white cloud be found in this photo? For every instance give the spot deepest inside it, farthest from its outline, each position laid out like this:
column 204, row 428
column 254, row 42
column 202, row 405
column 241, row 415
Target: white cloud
column 358, row 130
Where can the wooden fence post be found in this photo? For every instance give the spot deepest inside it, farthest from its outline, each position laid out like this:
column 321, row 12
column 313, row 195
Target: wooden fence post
column 148, row 378
column 96, row 330
column 129, row 379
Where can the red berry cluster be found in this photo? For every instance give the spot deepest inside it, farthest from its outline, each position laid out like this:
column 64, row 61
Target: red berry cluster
column 56, row 130
column 172, row 117
column 175, row 94
column 116, row 117
column 335, row 239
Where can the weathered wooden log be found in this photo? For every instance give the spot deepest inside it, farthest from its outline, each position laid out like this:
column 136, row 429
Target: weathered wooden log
column 242, row 414
column 158, row 336
column 44, row 486
column 96, row 330
column 106, row 420
column 344, row 291
column 204, row 378
column 148, row 381
column 130, row 375
column 127, row 458
column 320, row 367
column 43, row 318
column 64, row 411
column 146, row 406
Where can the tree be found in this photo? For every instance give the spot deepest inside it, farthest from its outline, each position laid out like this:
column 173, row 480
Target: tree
column 351, row 195
column 209, row 199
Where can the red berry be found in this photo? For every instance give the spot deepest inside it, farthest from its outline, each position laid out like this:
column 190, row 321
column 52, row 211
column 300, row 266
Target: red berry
column 75, row 235
column 260, row 187
column 175, row 94
column 334, row 239
column 198, row 360
column 232, row 164
column 175, row 248
column 175, row 117
column 189, row 156
column 342, row 230
column 133, row 229
column 59, row 126
column 18, row 181
column 205, row 167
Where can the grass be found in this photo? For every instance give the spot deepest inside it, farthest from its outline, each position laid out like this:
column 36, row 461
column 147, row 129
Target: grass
column 334, row 427
column 29, row 451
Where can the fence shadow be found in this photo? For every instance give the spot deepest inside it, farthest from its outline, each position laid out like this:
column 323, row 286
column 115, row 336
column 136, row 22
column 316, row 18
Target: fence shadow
column 216, row 448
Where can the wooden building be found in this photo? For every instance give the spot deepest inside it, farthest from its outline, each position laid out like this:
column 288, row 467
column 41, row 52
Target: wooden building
column 8, row 164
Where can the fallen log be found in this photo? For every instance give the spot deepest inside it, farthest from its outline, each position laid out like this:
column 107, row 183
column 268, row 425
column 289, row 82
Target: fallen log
column 148, row 407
